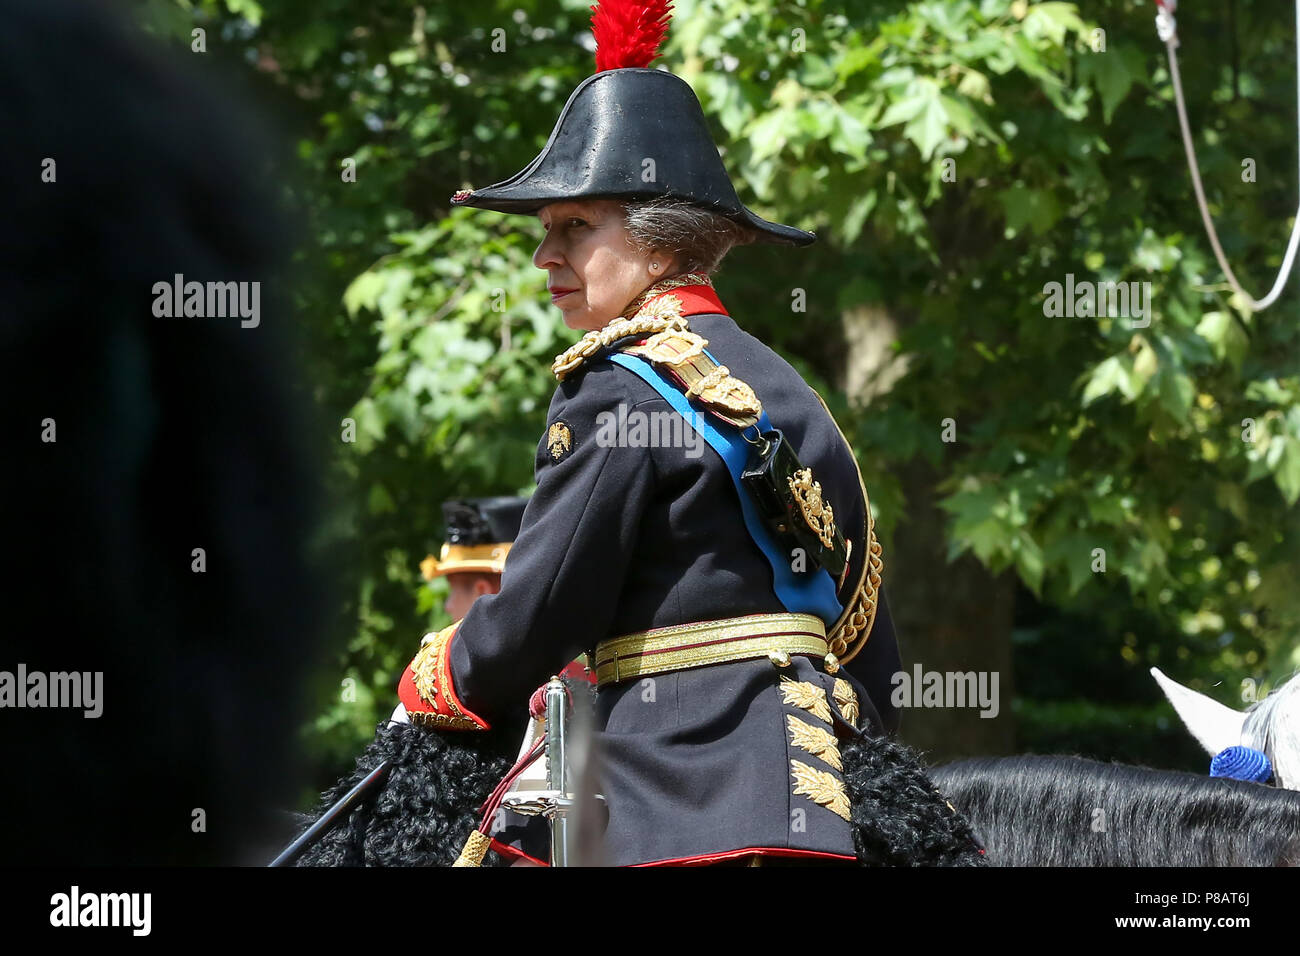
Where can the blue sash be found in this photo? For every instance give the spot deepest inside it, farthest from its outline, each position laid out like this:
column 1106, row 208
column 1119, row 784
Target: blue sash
column 806, row 592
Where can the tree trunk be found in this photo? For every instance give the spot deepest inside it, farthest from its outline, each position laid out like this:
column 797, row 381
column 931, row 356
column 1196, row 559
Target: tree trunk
column 949, row 617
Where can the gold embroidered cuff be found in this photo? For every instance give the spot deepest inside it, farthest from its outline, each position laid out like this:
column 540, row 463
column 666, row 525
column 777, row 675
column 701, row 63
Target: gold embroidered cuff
column 435, row 703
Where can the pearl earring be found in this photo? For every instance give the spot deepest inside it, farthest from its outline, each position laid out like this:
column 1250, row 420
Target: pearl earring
column 655, row 267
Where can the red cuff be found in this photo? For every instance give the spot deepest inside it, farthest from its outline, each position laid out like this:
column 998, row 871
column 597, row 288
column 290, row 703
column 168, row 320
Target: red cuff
column 427, row 691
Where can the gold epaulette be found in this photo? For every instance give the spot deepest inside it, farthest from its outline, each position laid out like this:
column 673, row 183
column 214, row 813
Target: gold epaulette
column 681, row 352
column 576, row 355
column 672, row 345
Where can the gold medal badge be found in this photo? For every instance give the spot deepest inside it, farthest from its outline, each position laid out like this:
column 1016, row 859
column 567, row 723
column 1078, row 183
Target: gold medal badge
column 559, row 440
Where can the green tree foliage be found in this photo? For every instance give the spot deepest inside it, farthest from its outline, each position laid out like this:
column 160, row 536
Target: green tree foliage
column 955, row 158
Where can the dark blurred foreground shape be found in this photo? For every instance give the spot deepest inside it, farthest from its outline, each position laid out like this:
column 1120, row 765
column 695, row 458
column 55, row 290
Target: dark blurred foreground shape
column 172, row 434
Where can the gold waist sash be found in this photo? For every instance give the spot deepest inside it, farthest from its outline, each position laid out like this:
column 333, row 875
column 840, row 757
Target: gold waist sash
column 709, row 642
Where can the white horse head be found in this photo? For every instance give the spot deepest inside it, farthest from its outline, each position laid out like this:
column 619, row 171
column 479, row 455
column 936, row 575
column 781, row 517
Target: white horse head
column 1271, row 725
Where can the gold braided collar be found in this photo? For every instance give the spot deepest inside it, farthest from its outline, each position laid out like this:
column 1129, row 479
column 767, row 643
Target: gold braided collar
column 644, row 315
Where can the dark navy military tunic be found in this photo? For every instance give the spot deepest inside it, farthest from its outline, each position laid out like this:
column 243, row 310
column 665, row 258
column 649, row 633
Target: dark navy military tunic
column 694, row 764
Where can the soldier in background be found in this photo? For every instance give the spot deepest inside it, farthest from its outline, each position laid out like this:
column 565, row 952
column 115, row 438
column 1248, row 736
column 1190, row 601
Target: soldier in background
column 432, row 790
column 479, row 533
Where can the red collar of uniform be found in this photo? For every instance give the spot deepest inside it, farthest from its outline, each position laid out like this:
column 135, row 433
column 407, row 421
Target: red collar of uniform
column 696, row 299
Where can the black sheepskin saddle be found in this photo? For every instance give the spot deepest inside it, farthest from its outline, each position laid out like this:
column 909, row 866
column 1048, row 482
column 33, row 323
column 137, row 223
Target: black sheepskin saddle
column 430, row 802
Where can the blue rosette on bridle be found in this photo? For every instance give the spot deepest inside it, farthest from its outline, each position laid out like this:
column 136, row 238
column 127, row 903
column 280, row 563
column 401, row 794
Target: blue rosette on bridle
column 1242, row 763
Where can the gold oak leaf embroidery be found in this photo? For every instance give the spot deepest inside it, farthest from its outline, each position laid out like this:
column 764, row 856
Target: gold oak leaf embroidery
column 821, row 786
column 807, row 696
column 818, row 742
column 847, row 699
column 663, row 308
column 425, row 666
column 559, row 440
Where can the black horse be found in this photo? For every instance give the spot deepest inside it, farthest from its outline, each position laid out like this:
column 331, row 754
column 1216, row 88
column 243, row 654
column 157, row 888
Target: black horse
column 1070, row 811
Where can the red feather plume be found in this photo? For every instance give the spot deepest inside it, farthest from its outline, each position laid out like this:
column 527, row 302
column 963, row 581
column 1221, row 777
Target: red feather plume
column 628, row 32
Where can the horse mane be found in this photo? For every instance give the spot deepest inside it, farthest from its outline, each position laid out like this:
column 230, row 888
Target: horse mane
column 1070, row 811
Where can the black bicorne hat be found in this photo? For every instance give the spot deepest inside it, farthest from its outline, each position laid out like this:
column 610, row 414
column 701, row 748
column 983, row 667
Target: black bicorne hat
column 479, row 534
column 616, row 121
